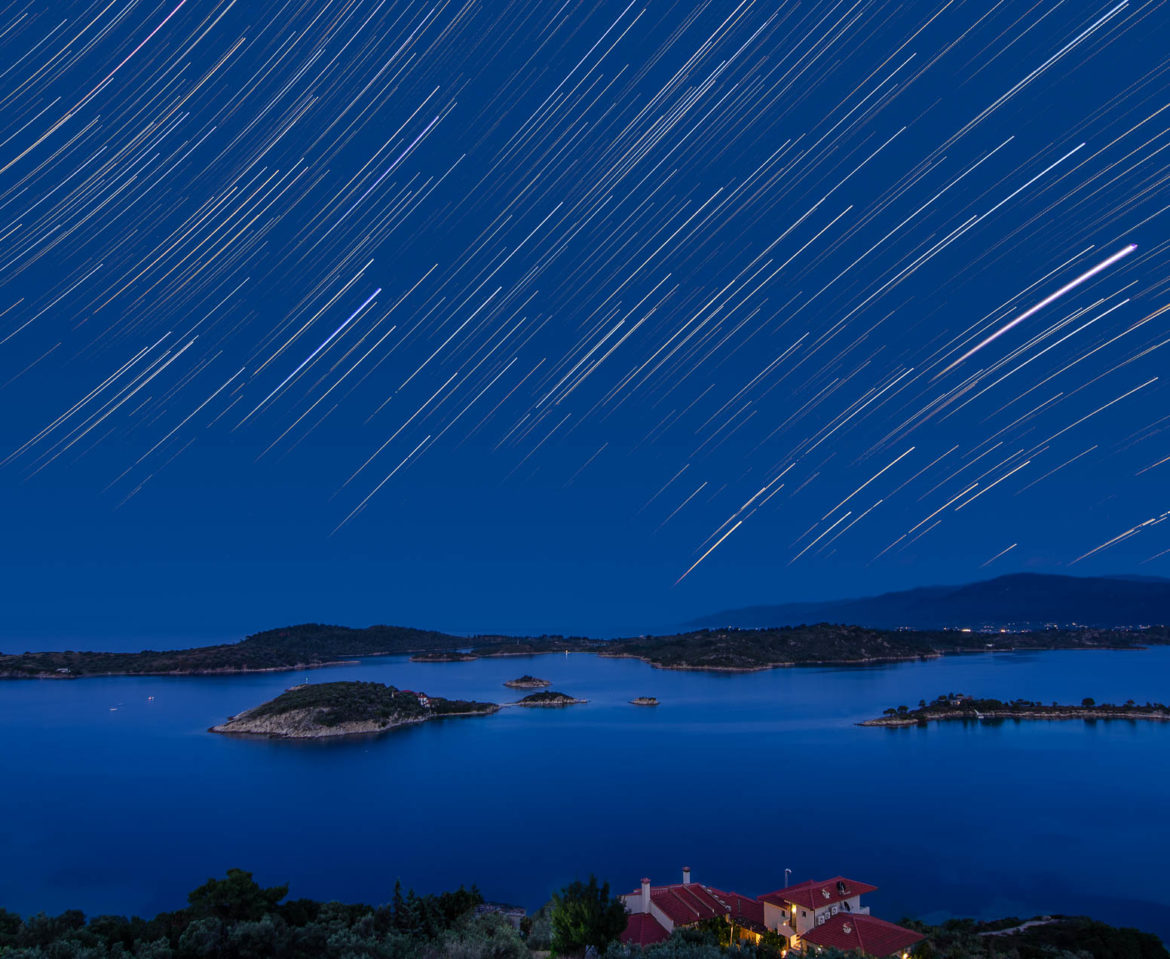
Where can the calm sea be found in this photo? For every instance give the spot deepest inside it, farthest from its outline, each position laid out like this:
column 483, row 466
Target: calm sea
column 114, row 798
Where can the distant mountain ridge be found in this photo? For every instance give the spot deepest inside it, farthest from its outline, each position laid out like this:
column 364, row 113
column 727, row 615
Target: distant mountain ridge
column 1019, row 601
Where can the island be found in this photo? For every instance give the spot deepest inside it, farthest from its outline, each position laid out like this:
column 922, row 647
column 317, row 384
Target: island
column 313, row 646
column 527, row 682
column 329, row 710
column 549, row 698
column 950, row 707
column 644, row 701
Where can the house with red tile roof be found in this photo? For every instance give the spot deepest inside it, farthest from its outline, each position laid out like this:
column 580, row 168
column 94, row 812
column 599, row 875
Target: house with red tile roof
column 808, row 904
column 656, row 911
column 810, row 915
column 865, row 934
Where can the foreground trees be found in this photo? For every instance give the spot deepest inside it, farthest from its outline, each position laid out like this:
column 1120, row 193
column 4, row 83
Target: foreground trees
column 583, row 915
column 236, row 918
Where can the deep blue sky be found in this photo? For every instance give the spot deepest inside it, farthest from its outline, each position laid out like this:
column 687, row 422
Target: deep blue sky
column 501, row 316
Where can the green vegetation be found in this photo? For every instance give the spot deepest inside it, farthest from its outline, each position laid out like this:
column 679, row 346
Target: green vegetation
column 313, row 645
column 527, row 682
column 583, row 915
column 1049, row 937
column 548, row 697
column 235, row 918
column 314, row 710
column 957, row 706
column 749, row 649
column 355, row 702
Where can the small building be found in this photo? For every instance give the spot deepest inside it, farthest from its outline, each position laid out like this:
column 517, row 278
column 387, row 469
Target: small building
column 809, row 916
column 656, row 911
column 809, row 904
column 513, row 914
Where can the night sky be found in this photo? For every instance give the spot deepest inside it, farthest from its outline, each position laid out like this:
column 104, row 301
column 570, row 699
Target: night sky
column 585, row 317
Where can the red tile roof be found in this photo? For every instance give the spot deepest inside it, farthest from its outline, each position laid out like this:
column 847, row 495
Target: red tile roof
column 818, row 892
column 685, row 903
column 855, row 933
column 691, row 902
column 642, row 929
column 746, row 912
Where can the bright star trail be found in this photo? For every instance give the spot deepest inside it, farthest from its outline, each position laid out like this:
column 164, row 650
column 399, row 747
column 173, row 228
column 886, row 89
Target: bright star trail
column 554, row 298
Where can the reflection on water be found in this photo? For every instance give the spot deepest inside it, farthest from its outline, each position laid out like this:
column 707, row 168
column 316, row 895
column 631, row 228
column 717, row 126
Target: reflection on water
column 114, row 798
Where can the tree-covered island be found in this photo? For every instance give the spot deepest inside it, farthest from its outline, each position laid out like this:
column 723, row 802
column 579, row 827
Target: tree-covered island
column 950, row 707
column 327, row 710
column 549, row 698
column 528, row 682
column 314, row 645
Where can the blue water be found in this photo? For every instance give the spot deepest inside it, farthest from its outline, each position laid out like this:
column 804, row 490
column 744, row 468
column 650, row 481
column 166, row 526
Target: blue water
column 739, row 776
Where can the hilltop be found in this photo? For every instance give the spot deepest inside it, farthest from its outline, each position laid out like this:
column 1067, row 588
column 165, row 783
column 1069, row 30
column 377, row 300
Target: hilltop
column 314, row 645
column 1017, row 601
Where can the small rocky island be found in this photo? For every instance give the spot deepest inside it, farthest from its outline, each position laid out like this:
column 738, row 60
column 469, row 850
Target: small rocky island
column 549, row 698
column 527, row 682
column 328, row 710
column 957, row 706
column 644, row 701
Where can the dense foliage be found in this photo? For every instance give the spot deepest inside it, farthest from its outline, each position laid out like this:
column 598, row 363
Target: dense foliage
column 358, row 702
column 960, row 706
column 527, row 681
column 583, row 914
column 313, row 644
column 235, row 918
column 827, row 643
column 547, row 697
column 1055, row 937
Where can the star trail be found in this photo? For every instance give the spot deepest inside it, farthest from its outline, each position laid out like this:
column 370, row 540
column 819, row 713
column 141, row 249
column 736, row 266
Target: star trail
column 779, row 299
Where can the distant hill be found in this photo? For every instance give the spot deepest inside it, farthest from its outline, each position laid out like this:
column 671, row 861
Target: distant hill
column 1019, row 601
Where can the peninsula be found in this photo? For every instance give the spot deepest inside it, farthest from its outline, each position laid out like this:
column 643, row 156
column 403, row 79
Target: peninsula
column 330, row 710
column 956, row 706
column 313, row 645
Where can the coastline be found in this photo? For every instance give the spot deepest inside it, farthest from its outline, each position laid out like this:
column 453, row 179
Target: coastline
column 223, row 671
column 592, row 648
column 298, row 724
column 1054, row 714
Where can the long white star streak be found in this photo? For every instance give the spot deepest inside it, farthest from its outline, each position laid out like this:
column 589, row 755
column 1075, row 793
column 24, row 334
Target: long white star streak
column 867, row 482
column 1121, row 537
column 708, row 552
column 369, row 496
column 312, row 356
column 1051, row 298
column 1001, row 553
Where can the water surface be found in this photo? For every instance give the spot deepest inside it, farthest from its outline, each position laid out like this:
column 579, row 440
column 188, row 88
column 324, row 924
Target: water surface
column 111, row 801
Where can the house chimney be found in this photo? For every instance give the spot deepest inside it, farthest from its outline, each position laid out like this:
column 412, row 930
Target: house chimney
column 686, row 875
column 645, row 895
